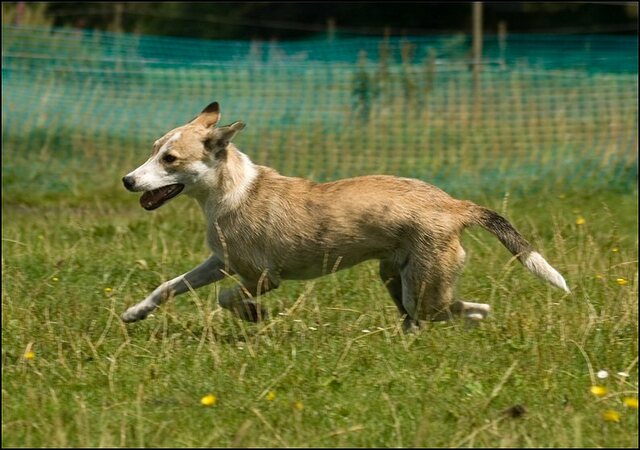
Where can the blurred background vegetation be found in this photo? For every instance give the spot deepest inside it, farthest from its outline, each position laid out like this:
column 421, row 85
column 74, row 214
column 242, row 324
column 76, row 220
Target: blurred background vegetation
column 355, row 88
column 291, row 20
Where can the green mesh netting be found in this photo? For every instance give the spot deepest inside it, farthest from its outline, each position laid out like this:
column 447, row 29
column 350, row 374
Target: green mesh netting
column 558, row 110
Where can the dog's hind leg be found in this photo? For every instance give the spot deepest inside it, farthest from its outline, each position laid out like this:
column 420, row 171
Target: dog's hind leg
column 435, row 295
column 241, row 299
column 470, row 310
column 210, row 271
column 390, row 275
column 393, row 282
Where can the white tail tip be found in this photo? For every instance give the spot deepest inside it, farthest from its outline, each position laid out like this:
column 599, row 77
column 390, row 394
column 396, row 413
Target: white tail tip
column 539, row 266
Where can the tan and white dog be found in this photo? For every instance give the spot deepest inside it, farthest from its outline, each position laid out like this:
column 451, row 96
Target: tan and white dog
column 266, row 227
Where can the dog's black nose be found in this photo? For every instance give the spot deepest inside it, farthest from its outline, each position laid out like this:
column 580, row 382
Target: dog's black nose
column 128, row 182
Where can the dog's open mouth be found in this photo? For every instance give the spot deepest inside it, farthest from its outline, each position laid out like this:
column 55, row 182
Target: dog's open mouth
column 156, row 198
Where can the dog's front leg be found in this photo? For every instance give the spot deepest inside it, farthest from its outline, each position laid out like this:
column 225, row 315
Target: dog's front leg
column 210, row 271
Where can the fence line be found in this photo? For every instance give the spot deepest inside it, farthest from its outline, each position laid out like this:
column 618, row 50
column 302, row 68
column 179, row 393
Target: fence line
column 559, row 110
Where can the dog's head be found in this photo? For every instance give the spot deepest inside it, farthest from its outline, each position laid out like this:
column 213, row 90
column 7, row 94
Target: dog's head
column 182, row 160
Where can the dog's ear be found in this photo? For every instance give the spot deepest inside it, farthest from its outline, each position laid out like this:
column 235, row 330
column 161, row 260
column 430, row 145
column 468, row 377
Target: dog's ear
column 219, row 138
column 210, row 116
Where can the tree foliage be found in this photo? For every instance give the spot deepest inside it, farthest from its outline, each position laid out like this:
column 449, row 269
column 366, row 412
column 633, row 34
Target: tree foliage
column 247, row 20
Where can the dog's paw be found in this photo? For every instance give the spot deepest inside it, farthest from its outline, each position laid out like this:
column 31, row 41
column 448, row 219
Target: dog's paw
column 476, row 311
column 252, row 312
column 410, row 326
column 133, row 314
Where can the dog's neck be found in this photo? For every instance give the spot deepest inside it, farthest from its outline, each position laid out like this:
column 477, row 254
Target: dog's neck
column 229, row 184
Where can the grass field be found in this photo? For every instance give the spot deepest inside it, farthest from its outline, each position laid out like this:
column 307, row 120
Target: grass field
column 332, row 367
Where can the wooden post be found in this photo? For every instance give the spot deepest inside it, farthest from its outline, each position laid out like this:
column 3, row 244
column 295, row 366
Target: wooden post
column 117, row 28
column 477, row 55
column 331, row 29
column 20, row 8
column 117, row 17
column 502, row 43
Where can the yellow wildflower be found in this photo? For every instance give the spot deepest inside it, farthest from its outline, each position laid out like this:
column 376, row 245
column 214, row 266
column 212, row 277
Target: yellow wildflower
column 615, row 249
column 208, row 400
column 55, row 279
column 298, row 405
column 270, row 396
column 29, row 355
column 599, row 391
column 580, row 220
column 611, row 416
column 108, row 290
column 622, row 281
column 630, row 402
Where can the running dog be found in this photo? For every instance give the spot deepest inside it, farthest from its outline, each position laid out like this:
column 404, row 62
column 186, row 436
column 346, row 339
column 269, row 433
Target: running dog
column 265, row 227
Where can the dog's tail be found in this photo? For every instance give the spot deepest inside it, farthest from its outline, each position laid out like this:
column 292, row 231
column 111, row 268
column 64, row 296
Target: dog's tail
column 518, row 245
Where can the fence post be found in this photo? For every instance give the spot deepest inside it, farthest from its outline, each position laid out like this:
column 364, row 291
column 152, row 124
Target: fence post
column 477, row 55
column 117, row 17
column 20, row 7
column 331, row 29
column 502, row 43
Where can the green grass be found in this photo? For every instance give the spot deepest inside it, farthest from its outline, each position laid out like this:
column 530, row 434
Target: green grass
column 73, row 262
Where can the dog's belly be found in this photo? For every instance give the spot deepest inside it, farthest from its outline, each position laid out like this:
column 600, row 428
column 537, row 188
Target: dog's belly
column 301, row 262
column 304, row 267
column 309, row 273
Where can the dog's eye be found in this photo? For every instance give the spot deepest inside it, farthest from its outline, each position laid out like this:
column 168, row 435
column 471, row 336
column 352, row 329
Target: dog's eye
column 169, row 158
